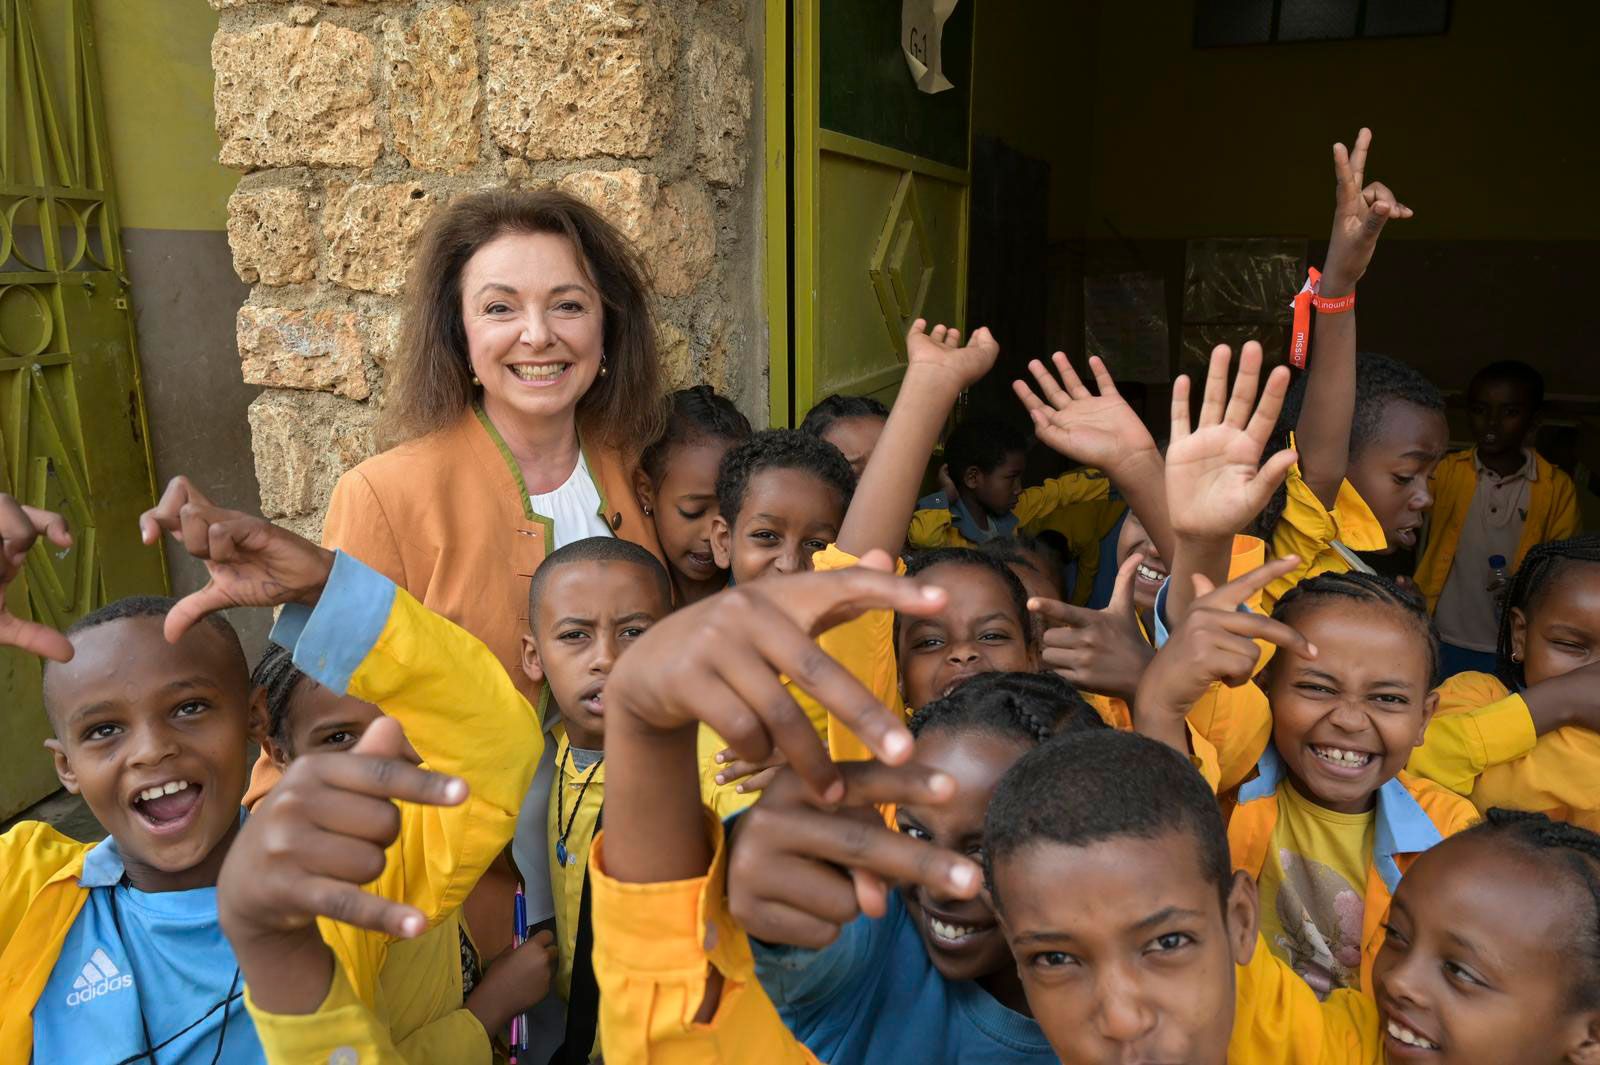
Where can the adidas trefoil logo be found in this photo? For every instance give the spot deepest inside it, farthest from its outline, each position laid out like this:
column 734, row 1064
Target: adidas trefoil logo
column 100, row 976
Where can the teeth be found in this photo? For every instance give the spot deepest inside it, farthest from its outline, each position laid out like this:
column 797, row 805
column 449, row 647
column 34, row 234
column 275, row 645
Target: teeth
column 539, row 373
column 171, row 787
column 1340, row 756
column 1149, row 574
column 1410, row 1038
column 950, row 932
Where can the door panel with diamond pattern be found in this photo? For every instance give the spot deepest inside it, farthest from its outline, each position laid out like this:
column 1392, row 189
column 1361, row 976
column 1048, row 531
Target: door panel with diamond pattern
column 72, row 429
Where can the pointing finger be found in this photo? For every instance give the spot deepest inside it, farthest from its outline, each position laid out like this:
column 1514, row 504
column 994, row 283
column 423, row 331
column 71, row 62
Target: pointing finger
column 1122, row 592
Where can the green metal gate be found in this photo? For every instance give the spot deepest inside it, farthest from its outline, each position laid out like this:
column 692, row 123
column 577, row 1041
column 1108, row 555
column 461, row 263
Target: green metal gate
column 73, row 436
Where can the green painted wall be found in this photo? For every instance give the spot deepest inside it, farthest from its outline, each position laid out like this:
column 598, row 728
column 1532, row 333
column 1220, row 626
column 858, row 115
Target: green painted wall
column 155, row 71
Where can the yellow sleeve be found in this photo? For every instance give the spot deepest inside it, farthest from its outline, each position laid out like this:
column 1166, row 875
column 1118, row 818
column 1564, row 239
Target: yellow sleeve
column 929, row 528
column 341, row 1030
column 1237, row 724
column 1079, row 486
column 457, row 1037
column 1277, row 1019
column 1460, row 745
column 1560, row 776
column 865, row 647
column 1306, row 528
column 654, row 945
column 1564, row 520
column 724, row 800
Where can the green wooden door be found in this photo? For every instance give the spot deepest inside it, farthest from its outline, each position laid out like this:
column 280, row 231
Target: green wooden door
column 880, row 173
column 72, row 428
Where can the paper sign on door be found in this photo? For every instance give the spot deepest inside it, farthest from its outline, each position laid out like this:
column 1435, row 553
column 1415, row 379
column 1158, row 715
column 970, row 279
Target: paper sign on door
column 921, row 37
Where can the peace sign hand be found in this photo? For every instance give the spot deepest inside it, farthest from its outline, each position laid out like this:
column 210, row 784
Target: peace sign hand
column 1101, row 651
column 1359, row 215
column 1096, row 430
column 1215, row 643
column 1216, row 482
column 20, row 527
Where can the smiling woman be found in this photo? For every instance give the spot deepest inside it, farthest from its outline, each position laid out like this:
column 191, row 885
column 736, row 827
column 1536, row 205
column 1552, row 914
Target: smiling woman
column 526, row 385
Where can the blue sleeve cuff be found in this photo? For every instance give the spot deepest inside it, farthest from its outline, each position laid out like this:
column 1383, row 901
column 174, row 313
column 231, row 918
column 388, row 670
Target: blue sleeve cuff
column 1159, row 615
column 330, row 643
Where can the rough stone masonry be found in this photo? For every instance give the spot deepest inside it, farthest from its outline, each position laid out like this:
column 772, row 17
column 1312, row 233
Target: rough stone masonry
column 352, row 120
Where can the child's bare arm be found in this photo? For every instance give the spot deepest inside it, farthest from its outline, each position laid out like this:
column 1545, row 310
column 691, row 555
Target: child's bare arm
column 20, row 527
column 1322, row 433
column 938, row 370
column 1100, row 431
column 1216, row 482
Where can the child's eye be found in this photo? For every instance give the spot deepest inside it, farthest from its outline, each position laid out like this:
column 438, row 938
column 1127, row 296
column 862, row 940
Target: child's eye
column 816, row 545
column 1391, row 700
column 927, row 643
column 1463, row 974
column 632, row 632
column 915, row 832
column 189, row 709
column 764, row 535
column 1394, row 935
column 572, row 636
column 103, row 731
column 342, row 738
column 994, row 637
column 1314, row 689
column 1053, row 959
column 1570, row 647
column 691, row 516
column 1170, row 941
column 1403, row 479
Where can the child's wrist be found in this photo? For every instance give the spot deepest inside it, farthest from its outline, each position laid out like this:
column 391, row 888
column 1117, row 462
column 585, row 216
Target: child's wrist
column 934, row 381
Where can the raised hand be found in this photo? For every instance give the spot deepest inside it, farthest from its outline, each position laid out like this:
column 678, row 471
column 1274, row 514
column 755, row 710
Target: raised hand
column 1360, row 212
column 20, row 527
column 799, row 871
column 1216, row 481
column 251, row 561
column 1096, row 430
column 1215, row 642
column 720, row 661
column 940, row 351
column 1102, row 651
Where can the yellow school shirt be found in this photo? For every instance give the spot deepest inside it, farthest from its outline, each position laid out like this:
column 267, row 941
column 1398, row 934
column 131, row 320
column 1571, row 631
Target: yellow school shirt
column 1312, row 890
column 654, row 945
column 576, row 797
column 1278, row 1019
column 724, row 800
column 940, row 527
column 421, row 993
column 1482, row 744
column 1310, row 530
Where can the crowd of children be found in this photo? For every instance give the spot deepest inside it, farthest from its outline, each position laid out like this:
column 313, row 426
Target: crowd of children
column 858, row 776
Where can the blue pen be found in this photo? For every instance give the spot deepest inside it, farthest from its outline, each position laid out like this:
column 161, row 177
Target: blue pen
column 520, row 1036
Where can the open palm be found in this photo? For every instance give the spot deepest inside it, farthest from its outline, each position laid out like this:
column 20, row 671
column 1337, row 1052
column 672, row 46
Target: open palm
column 940, row 349
column 1096, row 430
column 1216, row 482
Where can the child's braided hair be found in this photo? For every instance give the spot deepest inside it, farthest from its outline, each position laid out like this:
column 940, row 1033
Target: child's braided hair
column 694, row 414
column 922, row 561
column 1031, row 706
column 1367, row 588
column 1534, row 577
column 277, row 673
column 1573, row 850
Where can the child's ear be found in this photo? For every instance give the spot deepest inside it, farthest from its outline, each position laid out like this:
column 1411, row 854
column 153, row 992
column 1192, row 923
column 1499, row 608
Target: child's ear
column 1519, row 634
column 970, row 477
column 278, row 754
column 644, row 492
column 1242, row 917
column 64, row 773
column 1430, row 706
column 720, row 537
column 259, row 717
column 1587, row 1052
column 531, row 666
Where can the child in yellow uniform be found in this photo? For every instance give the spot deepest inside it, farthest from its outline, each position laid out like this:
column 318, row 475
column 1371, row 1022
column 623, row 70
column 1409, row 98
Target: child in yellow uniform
column 1109, row 866
column 587, row 604
column 850, row 423
column 1368, row 429
column 1529, row 738
column 441, row 1006
column 676, row 483
column 984, row 459
column 1499, row 498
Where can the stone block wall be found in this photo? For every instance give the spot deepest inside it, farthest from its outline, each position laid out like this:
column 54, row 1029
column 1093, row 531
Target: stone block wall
column 353, row 120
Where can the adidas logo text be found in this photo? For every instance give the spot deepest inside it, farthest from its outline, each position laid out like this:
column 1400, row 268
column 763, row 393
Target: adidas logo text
column 100, row 976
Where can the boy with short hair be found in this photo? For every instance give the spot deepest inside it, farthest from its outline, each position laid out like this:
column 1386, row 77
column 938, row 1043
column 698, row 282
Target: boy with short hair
column 1497, row 499
column 588, row 602
column 781, row 496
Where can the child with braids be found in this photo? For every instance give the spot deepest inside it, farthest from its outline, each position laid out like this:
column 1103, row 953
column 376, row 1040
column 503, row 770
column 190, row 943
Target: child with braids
column 440, row 1005
column 1108, row 864
column 676, row 483
column 1529, row 737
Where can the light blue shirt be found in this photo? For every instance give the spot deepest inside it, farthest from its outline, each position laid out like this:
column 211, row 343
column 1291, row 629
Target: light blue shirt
column 162, row 953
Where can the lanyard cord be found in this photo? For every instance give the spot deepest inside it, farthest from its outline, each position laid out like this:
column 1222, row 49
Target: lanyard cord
column 562, row 853
column 144, row 1025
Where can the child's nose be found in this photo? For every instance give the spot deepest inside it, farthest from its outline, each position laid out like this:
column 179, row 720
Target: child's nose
column 1123, row 1016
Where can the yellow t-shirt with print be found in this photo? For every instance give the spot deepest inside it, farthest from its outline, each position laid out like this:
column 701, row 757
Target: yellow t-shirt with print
column 1313, row 888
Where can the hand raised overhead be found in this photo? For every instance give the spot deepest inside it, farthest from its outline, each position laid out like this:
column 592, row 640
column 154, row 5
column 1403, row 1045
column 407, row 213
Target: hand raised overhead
column 20, row 528
column 1360, row 212
column 940, row 350
column 1096, row 430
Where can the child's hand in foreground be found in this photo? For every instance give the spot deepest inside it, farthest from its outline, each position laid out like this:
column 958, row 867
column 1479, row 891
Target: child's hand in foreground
column 1216, row 482
column 20, row 526
column 1359, row 215
column 517, row 981
column 720, row 662
column 1096, row 430
column 251, row 561
column 799, row 871
column 1101, row 651
column 939, row 352
column 1216, row 642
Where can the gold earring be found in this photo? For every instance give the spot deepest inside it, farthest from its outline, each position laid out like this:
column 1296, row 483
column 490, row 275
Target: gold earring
column 603, row 368
column 475, row 382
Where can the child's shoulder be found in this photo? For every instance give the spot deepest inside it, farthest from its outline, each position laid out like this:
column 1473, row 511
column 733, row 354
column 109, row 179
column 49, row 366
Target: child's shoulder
column 32, row 854
column 1469, row 691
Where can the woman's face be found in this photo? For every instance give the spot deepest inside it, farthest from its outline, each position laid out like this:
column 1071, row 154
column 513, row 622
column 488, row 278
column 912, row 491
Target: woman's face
column 535, row 325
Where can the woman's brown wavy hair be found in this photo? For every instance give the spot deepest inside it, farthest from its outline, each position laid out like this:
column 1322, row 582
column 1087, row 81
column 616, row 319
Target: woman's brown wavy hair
column 433, row 376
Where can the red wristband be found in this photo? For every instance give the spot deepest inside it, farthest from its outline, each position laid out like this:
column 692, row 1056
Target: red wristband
column 1300, row 331
column 1334, row 304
